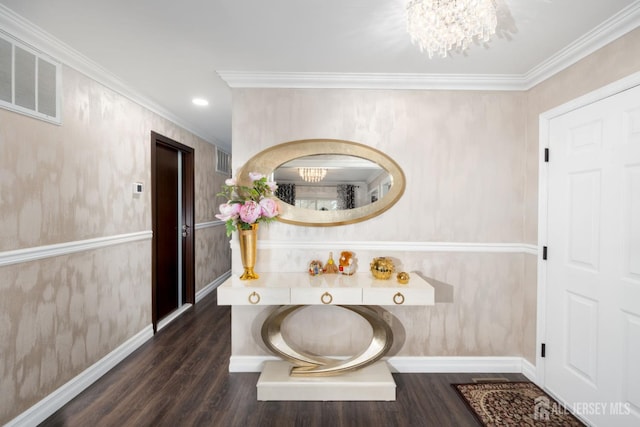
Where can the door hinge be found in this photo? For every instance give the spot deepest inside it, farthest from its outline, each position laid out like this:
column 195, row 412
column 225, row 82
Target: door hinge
column 546, row 155
column 543, row 350
column 544, row 252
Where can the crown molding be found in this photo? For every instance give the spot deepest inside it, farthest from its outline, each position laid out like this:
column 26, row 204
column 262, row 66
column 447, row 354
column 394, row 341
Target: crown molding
column 628, row 19
column 618, row 25
column 290, row 80
column 24, row 31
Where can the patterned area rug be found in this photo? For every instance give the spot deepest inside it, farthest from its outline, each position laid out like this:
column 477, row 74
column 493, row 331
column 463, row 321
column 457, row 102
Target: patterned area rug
column 514, row 404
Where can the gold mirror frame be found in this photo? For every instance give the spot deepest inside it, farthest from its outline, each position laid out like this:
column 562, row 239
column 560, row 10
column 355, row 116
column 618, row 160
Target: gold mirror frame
column 268, row 160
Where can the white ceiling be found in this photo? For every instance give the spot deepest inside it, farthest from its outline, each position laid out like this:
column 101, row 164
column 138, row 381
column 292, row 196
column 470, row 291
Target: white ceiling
column 170, row 51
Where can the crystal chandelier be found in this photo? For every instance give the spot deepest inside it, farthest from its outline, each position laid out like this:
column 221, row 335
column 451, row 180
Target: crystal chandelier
column 312, row 174
column 439, row 26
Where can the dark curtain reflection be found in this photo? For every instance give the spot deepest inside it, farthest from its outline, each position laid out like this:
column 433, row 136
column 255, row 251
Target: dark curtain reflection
column 346, row 196
column 286, row 193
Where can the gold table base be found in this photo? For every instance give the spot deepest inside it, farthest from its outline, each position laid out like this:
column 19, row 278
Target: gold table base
column 308, row 365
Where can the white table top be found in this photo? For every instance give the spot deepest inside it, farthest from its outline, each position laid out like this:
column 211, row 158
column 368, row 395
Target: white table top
column 304, row 280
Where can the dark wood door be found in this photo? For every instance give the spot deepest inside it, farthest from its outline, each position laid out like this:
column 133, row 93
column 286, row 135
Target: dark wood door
column 166, row 234
column 173, row 257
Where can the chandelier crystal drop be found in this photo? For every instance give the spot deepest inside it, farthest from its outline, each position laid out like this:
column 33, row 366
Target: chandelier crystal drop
column 312, row 174
column 438, row 26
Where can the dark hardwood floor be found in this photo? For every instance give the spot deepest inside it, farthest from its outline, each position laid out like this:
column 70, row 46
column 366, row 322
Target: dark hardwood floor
column 181, row 378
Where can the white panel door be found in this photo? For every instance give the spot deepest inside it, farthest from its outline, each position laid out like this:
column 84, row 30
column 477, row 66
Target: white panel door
column 593, row 269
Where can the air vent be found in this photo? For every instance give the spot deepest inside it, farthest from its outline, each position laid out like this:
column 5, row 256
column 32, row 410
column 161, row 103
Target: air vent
column 223, row 164
column 29, row 81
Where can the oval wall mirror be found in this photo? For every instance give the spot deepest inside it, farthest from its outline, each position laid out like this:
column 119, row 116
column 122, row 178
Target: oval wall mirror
column 326, row 182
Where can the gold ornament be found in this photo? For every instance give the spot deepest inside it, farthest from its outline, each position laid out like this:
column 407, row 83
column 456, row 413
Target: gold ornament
column 403, row 278
column 382, row 268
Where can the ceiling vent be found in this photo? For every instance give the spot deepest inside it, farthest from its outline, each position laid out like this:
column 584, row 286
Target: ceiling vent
column 223, row 163
column 29, row 81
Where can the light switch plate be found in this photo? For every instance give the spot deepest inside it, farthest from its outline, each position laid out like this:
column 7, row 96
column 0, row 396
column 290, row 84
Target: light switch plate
column 138, row 187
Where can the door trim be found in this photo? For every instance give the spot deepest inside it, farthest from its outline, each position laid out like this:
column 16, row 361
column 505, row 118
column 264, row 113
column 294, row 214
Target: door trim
column 188, row 214
column 545, row 118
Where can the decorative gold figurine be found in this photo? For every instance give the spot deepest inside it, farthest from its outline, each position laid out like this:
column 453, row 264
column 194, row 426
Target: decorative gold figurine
column 382, row 268
column 347, row 263
column 330, row 267
column 403, row 278
column 315, row 267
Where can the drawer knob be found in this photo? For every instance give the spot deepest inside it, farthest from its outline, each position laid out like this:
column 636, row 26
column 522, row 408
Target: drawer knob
column 254, row 297
column 398, row 298
column 326, row 298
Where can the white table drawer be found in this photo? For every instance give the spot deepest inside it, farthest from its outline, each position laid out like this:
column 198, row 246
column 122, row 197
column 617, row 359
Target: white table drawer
column 327, row 296
column 253, row 296
column 302, row 289
column 398, row 296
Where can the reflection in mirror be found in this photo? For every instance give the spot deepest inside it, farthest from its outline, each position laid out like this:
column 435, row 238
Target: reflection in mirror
column 380, row 183
column 329, row 182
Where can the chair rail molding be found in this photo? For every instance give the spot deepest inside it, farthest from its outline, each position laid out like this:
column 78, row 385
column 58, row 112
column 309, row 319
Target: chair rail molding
column 47, row 251
column 490, row 247
column 209, row 224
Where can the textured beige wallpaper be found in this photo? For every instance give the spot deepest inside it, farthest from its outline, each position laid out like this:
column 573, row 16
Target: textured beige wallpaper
column 530, row 307
column 62, row 314
column 73, row 182
column 213, row 255
column 207, row 181
column 478, row 312
column 463, row 156
column 59, row 184
column 212, row 252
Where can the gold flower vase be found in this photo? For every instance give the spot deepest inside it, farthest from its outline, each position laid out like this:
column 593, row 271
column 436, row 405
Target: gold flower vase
column 248, row 249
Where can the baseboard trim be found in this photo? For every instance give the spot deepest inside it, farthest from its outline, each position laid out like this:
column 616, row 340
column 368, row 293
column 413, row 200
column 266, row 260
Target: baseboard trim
column 172, row 316
column 212, row 286
column 65, row 393
column 529, row 370
column 249, row 363
column 406, row 365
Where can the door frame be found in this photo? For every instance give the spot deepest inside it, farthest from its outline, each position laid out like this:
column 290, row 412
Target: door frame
column 545, row 118
column 188, row 215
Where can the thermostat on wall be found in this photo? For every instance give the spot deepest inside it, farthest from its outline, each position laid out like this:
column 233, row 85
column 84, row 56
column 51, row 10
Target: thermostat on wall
column 137, row 188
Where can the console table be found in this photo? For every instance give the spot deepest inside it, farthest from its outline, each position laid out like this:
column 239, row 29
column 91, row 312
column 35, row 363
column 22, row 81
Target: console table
column 305, row 376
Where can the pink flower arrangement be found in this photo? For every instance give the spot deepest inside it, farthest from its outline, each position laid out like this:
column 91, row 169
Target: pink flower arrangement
column 247, row 205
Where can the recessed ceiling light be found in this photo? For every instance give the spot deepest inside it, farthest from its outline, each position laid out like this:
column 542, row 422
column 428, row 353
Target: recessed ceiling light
column 201, row 102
